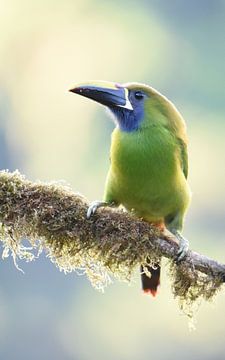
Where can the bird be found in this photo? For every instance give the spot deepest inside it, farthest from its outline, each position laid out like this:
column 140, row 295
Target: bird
column 148, row 161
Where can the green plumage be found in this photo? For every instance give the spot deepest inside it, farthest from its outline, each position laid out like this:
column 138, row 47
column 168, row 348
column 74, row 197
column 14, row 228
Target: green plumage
column 149, row 166
column 149, row 162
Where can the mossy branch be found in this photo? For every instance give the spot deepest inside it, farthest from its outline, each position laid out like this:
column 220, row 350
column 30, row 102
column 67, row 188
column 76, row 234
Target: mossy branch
column 53, row 218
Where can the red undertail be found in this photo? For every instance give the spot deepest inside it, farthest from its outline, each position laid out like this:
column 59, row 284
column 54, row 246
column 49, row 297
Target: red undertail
column 150, row 284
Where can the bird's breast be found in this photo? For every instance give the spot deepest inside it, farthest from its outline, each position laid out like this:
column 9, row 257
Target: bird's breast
column 146, row 173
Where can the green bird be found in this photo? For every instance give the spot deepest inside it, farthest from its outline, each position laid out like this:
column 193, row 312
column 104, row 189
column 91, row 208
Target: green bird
column 149, row 162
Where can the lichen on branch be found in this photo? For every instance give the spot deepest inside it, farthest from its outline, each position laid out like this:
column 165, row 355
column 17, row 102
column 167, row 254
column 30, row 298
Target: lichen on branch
column 52, row 217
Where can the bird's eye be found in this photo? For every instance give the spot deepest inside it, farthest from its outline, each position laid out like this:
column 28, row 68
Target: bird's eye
column 138, row 95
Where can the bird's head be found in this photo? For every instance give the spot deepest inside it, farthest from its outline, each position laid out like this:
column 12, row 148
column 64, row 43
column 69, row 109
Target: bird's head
column 134, row 106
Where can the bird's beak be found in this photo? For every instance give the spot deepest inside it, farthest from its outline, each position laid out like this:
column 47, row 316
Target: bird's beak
column 105, row 93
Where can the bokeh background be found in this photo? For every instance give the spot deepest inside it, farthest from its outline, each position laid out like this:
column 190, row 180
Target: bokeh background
column 47, row 133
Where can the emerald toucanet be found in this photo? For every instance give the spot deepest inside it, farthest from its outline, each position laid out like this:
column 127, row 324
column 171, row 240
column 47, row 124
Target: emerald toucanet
column 149, row 163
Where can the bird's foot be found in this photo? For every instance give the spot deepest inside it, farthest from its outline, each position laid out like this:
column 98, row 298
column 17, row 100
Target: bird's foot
column 96, row 205
column 183, row 246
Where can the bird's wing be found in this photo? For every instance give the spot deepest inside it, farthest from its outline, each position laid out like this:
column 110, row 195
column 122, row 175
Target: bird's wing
column 183, row 157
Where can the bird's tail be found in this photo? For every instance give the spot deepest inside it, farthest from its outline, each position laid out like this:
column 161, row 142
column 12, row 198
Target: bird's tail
column 150, row 284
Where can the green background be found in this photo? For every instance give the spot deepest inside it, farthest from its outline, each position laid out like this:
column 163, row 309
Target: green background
column 46, row 47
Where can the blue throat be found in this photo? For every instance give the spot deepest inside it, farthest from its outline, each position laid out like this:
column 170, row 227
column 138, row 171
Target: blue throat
column 128, row 120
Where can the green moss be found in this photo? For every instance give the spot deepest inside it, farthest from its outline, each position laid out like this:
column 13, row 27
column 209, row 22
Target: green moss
column 191, row 287
column 53, row 218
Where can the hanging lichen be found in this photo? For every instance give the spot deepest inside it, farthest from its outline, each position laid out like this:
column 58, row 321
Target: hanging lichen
column 112, row 243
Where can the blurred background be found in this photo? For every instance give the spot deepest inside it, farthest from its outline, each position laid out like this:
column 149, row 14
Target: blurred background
column 46, row 47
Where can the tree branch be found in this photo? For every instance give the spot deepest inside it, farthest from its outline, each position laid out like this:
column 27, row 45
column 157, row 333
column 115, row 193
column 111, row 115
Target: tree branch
column 114, row 242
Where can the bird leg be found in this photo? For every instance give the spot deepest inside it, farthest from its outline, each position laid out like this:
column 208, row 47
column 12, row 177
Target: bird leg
column 183, row 245
column 96, row 205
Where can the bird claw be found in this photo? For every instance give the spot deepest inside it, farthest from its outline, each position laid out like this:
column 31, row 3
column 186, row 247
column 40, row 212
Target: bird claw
column 94, row 206
column 183, row 246
column 183, row 249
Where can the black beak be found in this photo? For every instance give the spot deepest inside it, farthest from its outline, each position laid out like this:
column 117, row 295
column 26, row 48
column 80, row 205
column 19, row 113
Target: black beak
column 105, row 93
